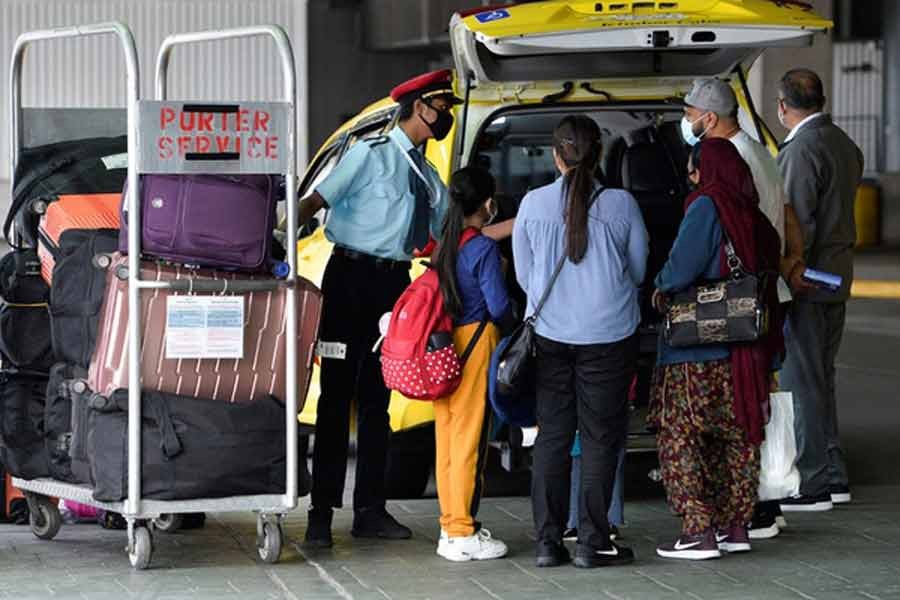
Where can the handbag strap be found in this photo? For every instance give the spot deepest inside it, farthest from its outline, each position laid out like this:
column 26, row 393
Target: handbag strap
column 735, row 266
column 556, row 271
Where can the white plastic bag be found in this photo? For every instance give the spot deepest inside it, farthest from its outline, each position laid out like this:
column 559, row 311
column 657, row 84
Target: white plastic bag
column 778, row 474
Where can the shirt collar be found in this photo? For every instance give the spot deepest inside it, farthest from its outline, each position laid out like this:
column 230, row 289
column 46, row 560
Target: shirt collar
column 400, row 136
column 800, row 125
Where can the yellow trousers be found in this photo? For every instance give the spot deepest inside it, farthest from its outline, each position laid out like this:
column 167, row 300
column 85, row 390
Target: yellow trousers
column 462, row 423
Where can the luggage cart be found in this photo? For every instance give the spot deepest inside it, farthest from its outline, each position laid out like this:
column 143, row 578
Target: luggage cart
column 140, row 513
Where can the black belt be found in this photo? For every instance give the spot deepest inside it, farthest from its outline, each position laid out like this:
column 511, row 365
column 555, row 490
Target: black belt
column 382, row 264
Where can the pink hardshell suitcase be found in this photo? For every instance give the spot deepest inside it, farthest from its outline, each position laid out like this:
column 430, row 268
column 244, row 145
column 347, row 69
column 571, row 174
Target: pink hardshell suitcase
column 260, row 372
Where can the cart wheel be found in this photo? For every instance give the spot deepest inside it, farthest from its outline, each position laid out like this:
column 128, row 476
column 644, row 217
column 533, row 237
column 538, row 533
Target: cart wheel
column 45, row 523
column 168, row 522
column 268, row 546
column 141, row 552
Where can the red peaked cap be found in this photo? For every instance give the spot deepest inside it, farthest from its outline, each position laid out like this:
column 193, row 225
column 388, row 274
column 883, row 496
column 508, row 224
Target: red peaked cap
column 430, row 85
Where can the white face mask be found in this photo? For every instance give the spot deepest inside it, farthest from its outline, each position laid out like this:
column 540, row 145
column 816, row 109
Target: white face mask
column 687, row 131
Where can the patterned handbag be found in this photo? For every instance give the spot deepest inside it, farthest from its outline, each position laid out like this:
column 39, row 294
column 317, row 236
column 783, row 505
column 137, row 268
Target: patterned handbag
column 729, row 310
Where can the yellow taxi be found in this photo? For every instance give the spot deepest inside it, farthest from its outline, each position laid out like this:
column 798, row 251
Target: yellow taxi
column 520, row 69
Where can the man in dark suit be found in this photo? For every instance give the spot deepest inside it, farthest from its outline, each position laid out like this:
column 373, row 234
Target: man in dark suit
column 822, row 168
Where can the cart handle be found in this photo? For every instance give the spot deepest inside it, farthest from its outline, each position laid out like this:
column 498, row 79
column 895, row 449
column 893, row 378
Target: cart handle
column 278, row 35
column 286, row 52
column 118, row 29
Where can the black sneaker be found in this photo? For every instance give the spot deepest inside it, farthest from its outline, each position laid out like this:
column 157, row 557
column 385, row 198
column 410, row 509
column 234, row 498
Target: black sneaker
column 764, row 525
column 692, row 547
column 591, row 558
column 318, row 529
column 570, row 535
column 801, row 503
column 549, row 554
column 378, row 523
column 840, row 494
column 614, row 533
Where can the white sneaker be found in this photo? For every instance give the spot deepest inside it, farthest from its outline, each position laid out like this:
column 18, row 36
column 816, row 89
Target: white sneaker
column 480, row 546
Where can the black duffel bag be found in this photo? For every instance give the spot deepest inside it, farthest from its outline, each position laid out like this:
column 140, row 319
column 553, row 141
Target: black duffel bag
column 79, row 283
column 85, row 166
column 64, row 410
column 191, row 448
column 22, row 449
column 24, row 315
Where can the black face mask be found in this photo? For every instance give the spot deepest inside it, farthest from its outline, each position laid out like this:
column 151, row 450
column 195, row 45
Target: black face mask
column 441, row 126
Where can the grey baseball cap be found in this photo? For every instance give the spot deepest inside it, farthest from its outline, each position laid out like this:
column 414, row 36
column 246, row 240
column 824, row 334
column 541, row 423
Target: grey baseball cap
column 713, row 95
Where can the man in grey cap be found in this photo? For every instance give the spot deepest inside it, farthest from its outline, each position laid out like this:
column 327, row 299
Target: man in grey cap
column 710, row 111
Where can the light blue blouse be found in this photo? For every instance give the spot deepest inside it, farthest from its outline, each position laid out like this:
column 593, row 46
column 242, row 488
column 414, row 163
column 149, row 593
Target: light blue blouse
column 596, row 300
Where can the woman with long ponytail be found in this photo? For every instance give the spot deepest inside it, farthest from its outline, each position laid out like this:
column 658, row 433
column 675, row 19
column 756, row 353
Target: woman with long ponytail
column 474, row 292
column 580, row 254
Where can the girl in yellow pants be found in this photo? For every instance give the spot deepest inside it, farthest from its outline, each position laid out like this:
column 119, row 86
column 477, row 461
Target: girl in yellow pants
column 474, row 291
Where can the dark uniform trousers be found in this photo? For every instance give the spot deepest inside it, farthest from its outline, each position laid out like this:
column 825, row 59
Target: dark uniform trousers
column 357, row 294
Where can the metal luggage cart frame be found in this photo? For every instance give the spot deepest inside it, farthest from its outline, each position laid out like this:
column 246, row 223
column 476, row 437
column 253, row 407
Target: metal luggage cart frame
column 138, row 512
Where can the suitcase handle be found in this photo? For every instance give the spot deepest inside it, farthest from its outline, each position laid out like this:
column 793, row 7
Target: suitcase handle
column 214, row 286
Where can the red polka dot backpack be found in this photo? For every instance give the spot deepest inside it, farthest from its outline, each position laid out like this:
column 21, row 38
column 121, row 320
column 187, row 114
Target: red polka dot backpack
column 418, row 358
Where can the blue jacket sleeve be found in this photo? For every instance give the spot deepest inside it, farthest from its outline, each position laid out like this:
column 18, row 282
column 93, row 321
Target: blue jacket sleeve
column 697, row 245
column 638, row 243
column 492, row 282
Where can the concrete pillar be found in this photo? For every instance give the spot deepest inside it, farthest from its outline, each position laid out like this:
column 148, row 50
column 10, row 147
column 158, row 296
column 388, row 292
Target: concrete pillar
column 777, row 61
column 891, row 114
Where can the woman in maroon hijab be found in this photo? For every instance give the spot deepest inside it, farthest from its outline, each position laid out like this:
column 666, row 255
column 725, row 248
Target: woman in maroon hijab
column 711, row 401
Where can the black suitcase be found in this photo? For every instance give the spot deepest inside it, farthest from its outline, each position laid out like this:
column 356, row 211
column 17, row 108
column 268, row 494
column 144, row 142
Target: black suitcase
column 65, row 419
column 22, row 449
column 191, row 448
column 79, row 283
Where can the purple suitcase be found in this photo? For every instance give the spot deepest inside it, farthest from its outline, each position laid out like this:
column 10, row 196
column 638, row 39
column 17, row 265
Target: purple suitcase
column 222, row 221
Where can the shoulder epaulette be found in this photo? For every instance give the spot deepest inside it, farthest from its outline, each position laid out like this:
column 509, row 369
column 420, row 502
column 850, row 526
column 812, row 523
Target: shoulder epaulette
column 377, row 140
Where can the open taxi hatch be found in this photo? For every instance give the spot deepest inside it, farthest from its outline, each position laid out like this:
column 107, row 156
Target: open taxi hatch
column 559, row 40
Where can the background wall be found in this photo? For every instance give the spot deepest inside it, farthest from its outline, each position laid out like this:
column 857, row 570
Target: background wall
column 90, row 72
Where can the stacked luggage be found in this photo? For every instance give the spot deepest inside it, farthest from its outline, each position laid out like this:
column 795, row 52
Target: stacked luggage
column 213, row 420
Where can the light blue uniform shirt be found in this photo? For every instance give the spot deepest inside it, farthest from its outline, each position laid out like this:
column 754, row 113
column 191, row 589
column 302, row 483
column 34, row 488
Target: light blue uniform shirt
column 596, row 300
column 371, row 204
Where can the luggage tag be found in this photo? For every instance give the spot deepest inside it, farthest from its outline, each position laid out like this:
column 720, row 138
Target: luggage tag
column 335, row 350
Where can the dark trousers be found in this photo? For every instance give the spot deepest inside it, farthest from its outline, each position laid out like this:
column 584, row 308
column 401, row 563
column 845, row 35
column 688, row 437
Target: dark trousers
column 583, row 388
column 813, row 337
column 356, row 294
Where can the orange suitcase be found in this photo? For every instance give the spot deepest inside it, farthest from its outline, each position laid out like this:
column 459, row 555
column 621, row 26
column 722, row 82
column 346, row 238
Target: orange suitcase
column 75, row 211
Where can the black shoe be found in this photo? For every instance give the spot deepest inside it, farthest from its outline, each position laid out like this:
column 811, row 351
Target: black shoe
column 614, row 533
column 570, row 534
column 763, row 525
column 377, row 523
column 551, row 555
column 840, row 494
column 318, row 529
column 801, row 503
column 591, row 558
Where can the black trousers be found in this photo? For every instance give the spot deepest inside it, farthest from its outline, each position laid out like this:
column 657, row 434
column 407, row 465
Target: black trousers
column 356, row 295
column 582, row 388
